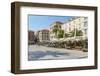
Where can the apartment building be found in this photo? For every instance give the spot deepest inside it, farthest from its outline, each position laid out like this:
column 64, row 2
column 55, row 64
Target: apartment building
column 43, row 35
column 31, row 37
column 79, row 23
column 53, row 29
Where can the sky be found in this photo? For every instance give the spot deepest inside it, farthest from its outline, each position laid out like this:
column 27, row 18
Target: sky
column 39, row 22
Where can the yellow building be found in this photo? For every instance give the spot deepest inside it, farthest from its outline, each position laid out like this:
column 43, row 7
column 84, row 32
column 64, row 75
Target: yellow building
column 53, row 29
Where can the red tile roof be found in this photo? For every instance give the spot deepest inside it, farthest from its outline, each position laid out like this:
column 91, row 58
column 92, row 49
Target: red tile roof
column 45, row 30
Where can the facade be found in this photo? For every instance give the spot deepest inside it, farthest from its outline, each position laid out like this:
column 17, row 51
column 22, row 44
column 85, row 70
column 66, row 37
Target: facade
column 31, row 37
column 53, row 29
column 79, row 23
column 43, row 35
column 75, row 23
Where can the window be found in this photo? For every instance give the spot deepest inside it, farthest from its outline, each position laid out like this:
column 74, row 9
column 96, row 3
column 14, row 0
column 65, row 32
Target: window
column 85, row 23
column 85, row 18
column 85, row 31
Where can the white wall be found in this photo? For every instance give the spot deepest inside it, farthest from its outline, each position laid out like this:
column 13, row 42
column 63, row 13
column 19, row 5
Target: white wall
column 5, row 42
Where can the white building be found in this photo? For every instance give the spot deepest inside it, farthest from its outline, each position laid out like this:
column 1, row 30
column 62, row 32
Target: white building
column 44, row 35
column 79, row 23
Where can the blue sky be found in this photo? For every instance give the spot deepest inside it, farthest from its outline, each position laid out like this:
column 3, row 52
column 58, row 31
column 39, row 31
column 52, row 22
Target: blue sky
column 39, row 22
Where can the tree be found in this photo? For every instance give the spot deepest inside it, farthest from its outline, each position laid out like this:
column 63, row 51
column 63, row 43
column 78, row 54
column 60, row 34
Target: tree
column 55, row 31
column 66, row 35
column 72, row 33
column 79, row 32
column 60, row 33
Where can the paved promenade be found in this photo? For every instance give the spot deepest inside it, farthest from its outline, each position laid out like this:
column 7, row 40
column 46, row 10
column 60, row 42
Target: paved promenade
column 37, row 52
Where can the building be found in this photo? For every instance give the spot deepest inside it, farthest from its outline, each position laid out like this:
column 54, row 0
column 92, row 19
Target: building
column 53, row 29
column 37, row 35
column 43, row 35
column 79, row 23
column 31, row 37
